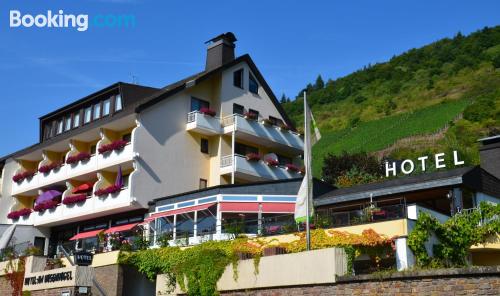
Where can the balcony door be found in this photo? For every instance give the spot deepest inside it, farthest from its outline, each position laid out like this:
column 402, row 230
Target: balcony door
column 198, row 104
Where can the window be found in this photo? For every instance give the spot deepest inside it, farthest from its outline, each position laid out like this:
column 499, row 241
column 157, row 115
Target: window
column 243, row 149
column 118, row 103
column 93, row 149
column 238, row 78
column 126, row 180
column 76, row 119
column 284, row 160
column 204, row 146
column 88, row 115
column 254, row 112
column 276, row 121
column 253, row 86
column 67, row 126
column 97, row 111
column 203, row 183
column 106, row 107
column 127, row 137
column 238, row 109
column 197, row 104
column 46, row 131
column 59, row 126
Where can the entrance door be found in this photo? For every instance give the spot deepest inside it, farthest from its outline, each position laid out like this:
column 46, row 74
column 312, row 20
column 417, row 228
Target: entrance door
column 40, row 243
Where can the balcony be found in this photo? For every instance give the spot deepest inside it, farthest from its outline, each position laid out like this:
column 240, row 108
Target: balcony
column 254, row 170
column 74, row 170
column 94, row 206
column 203, row 124
column 264, row 134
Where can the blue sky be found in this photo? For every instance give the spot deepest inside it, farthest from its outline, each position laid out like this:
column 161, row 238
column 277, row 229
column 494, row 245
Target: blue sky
column 292, row 42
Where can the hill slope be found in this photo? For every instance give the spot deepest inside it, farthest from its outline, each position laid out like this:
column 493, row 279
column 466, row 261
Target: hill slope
column 415, row 93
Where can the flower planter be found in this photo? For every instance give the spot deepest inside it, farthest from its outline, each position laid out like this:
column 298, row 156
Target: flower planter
column 45, row 206
column 267, row 122
column 207, row 111
column 115, row 145
column 252, row 157
column 18, row 178
column 108, row 190
column 19, row 213
column 251, row 115
column 272, row 162
column 78, row 157
column 292, row 168
column 285, row 128
column 44, row 169
column 73, row 199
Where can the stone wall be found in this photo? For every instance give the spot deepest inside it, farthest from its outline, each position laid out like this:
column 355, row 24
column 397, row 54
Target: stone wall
column 110, row 278
column 5, row 288
column 468, row 281
column 52, row 292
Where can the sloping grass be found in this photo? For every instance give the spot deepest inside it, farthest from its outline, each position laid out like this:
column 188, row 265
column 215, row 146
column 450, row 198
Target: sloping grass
column 378, row 134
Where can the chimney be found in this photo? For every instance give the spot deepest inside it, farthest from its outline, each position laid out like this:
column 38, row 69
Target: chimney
column 490, row 155
column 220, row 50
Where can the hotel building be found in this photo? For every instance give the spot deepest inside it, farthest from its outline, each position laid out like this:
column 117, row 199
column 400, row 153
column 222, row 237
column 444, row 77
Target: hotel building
column 102, row 158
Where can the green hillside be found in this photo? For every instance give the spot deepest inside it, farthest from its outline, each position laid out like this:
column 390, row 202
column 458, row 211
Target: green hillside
column 415, row 93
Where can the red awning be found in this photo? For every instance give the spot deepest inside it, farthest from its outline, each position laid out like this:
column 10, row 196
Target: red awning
column 179, row 211
column 86, row 234
column 278, row 207
column 85, row 187
column 240, row 207
column 120, row 228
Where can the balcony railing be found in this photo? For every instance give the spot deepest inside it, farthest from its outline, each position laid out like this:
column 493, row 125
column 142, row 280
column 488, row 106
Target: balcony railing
column 202, row 123
column 69, row 171
column 254, row 169
column 332, row 219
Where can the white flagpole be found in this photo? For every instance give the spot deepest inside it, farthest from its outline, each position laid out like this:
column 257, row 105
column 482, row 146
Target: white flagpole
column 307, row 165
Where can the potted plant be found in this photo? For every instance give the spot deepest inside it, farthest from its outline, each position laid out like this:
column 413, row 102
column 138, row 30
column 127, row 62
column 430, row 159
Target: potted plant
column 50, row 204
column 252, row 157
column 207, row 111
column 291, row 167
column 251, row 115
column 19, row 213
column 44, row 169
column 266, row 121
column 272, row 162
column 18, row 178
column 108, row 190
column 81, row 156
column 115, row 145
column 285, row 127
column 72, row 199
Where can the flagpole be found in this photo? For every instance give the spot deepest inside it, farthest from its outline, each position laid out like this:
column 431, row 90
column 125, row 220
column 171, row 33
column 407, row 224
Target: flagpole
column 307, row 165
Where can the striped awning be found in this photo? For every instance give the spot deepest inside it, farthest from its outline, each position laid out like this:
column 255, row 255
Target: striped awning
column 179, row 211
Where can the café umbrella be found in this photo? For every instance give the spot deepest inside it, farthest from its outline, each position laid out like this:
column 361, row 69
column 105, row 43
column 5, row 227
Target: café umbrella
column 47, row 196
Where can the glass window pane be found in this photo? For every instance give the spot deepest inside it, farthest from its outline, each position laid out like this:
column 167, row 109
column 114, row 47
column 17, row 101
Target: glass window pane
column 76, row 120
column 253, row 86
column 67, row 126
column 238, row 78
column 97, row 111
column 106, row 106
column 118, row 103
column 59, row 126
column 88, row 115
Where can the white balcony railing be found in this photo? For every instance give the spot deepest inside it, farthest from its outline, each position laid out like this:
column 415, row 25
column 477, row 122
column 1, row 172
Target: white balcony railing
column 203, row 124
column 415, row 210
column 68, row 171
column 79, row 211
column 266, row 134
column 246, row 169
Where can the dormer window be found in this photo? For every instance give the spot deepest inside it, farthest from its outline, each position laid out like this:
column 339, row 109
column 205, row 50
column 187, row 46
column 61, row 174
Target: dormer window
column 253, row 86
column 97, row 111
column 67, row 124
column 59, row 126
column 106, row 107
column 76, row 119
column 88, row 115
column 118, row 103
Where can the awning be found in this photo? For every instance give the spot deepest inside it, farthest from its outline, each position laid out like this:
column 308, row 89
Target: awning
column 179, row 211
column 87, row 234
column 240, row 207
column 120, row 228
column 84, row 188
column 278, row 207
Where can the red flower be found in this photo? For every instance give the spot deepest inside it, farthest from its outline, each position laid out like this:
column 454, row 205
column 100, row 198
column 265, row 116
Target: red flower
column 207, row 111
column 20, row 213
column 253, row 157
column 272, row 162
column 50, row 204
column 72, row 199
column 291, row 167
column 108, row 190
column 21, row 176
column 115, row 145
column 251, row 115
column 78, row 157
column 47, row 168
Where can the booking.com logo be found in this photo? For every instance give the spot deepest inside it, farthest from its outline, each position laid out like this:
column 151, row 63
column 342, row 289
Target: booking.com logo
column 61, row 20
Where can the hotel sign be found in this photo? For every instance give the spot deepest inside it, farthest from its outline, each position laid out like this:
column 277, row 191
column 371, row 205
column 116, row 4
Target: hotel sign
column 83, row 258
column 49, row 278
column 407, row 166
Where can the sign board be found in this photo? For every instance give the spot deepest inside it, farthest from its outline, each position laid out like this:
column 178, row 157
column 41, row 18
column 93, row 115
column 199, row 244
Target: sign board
column 83, row 258
column 407, row 166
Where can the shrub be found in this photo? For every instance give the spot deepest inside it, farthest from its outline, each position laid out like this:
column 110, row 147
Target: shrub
column 335, row 166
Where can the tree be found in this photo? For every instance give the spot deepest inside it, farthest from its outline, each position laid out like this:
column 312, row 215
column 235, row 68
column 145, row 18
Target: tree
column 336, row 166
column 283, row 99
column 319, row 84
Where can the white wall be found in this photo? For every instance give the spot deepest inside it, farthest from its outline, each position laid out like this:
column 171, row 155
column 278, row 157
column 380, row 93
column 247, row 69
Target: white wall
column 231, row 94
column 6, row 199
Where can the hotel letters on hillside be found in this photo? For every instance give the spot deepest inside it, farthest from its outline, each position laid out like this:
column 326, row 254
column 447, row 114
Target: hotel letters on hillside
column 407, row 166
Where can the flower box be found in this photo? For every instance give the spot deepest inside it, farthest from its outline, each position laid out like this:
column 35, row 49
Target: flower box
column 272, row 162
column 207, row 111
column 45, row 206
column 267, row 121
column 115, row 145
column 292, row 168
column 21, row 176
column 251, row 115
column 253, row 157
column 19, row 213
column 285, row 127
column 108, row 190
column 44, row 169
column 78, row 157
column 72, row 199
column 302, row 171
